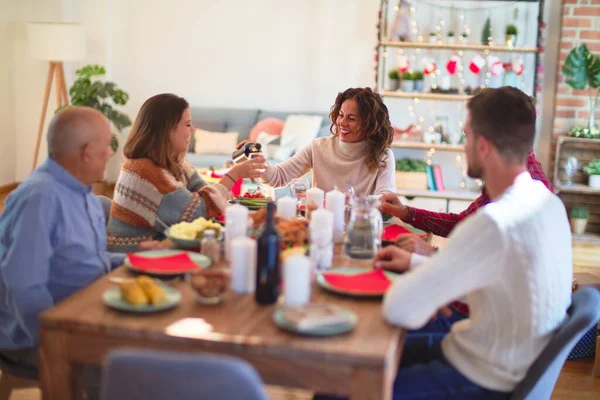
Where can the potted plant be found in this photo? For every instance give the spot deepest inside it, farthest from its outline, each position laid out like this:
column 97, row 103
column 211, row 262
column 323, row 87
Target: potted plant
column 432, row 38
column 417, row 77
column 393, row 80
column 582, row 70
column 578, row 218
column 464, row 38
column 407, row 84
column 593, row 170
column 89, row 91
column 511, row 35
column 411, row 174
column 584, row 133
column 451, row 38
column 486, row 33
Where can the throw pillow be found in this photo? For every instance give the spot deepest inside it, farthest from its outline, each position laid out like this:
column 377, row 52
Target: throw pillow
column 298, row 132
column 272, row 126
column 266, row 140
column 215, row 142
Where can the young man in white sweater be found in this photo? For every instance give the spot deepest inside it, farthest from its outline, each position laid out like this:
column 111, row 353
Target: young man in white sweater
column 512, row 260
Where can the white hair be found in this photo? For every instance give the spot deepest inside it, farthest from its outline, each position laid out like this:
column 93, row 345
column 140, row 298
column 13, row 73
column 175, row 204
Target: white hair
column 71, row 129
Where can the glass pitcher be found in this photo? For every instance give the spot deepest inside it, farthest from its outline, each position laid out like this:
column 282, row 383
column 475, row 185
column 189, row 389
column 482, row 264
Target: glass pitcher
column 364, row 228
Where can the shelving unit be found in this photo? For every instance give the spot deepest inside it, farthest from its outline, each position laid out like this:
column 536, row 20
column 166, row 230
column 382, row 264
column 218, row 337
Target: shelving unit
column 465, row 195
column 428, row 146
column 447, row 46
column 427, row 96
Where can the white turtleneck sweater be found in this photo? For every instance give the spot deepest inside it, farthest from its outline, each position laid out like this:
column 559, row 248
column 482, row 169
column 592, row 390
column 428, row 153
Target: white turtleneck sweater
column 335, row 163
column 513, row 261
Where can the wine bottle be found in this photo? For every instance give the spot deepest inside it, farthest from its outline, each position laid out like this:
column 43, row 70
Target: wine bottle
column 267, row 261
column 243, row 153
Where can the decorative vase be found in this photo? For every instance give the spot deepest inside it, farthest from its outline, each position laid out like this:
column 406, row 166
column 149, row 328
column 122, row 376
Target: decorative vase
column 510, row 41
column 578, row 225
column 592, row 100
column 451, row 40
column 407, row 85
column 433, row 39
column 392, row 85
column 594, row 182
column 465, row 40
column 418, row 85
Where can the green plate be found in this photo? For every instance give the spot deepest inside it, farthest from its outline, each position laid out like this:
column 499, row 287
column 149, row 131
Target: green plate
column 112, row 298
column 331, row 330
column 199, row 259
column 392, row 276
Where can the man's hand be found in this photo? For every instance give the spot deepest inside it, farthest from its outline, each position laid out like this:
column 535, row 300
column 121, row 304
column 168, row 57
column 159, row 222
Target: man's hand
column 414, row 244
column 390, row 204
column 392, row 258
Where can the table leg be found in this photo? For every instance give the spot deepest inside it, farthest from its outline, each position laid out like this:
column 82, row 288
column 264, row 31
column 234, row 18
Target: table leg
column 370, row 384
column 56, row 371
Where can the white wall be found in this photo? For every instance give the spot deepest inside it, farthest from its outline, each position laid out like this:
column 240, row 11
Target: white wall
column 8, row 158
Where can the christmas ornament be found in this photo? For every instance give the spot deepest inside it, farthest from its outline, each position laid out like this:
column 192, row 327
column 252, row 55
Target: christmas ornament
column 495, row 65
column 518, row 66
column 429, row 66
column 403, row 63
column 476, row 64
column 453, row 64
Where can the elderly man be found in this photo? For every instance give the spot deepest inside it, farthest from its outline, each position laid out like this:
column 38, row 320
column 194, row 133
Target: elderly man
column 53, row 230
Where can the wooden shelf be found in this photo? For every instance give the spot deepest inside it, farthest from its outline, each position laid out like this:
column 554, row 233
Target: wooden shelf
column 446, row 46
column 570, row 139
column 574, row 188
column 427, row 96
column 458, row 194
column 428, row 146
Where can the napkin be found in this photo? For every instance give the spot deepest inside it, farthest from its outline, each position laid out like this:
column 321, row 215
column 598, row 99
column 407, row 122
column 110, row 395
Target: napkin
column 371, row 282
column 175, row 264
column 391, row 233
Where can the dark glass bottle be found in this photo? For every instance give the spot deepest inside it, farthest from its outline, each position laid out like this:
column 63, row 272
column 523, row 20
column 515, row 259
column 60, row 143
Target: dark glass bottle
column 243, row 153
column 267, row 261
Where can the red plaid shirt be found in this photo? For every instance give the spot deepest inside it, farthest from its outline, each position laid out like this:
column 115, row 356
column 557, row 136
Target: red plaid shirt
column 441, row 224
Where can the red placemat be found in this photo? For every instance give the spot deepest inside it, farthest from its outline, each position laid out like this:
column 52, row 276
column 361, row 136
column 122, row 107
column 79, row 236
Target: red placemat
column 391, row 233
column 373, row 282
column 175, row 264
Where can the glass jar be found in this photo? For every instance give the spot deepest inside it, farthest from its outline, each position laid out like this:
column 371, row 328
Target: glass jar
column 364, row 228
column 210, row 247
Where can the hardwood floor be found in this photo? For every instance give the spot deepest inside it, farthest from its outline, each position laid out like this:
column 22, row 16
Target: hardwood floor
column 576, row 381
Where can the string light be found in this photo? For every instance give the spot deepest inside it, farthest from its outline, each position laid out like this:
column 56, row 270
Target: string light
column 384, row 54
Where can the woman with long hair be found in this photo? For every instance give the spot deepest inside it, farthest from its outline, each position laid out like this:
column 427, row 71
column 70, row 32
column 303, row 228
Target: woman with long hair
column 357, row 153
column 157, row 186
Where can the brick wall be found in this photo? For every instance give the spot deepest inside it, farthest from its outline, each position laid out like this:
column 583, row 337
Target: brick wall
column 580, row 24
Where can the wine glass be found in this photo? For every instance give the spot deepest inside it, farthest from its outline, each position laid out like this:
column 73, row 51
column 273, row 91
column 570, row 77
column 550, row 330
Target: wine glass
column 299, row 187
column 349, row 193
column 259, row 186
column 571, row 167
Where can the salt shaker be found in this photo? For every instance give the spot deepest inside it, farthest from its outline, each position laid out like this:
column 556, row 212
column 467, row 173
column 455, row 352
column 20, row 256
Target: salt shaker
column 210, row 247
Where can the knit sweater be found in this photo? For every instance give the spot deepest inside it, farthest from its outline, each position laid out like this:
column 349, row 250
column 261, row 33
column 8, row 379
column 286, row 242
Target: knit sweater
column 513, row 261
column 335, row 163
column 146, row 192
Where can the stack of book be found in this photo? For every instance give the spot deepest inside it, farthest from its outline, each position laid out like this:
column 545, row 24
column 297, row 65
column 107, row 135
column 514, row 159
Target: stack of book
column 435, row 181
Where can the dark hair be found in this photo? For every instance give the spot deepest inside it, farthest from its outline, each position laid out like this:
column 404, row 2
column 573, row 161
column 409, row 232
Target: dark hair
column 149, row 137
column 375, row 118
column 506, row 117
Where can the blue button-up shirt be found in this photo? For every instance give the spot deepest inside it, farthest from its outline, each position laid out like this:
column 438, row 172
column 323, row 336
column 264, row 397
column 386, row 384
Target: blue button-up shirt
column 52, row 243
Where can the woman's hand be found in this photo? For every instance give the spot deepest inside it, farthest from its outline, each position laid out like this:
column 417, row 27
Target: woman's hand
column 253, row 168
column 392, row 258
column 241, row 144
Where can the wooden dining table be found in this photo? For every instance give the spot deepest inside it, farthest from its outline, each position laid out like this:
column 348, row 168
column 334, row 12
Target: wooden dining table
column 360, row 364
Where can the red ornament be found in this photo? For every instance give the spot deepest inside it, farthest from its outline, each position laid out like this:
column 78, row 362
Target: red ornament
column 476, row 64
column 452, row 65
column 403, row 63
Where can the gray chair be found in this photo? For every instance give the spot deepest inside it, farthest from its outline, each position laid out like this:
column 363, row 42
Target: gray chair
column 156, row 375
column 15, row 376
column 106, row 204
column 583, row 314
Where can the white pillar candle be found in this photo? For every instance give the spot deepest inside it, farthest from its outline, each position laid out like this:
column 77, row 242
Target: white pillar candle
column 236, row 225
column 286, row 207
column 243, row 265
column 335, row 201
column 315, row 195
column 297, row 271
column 321, row 238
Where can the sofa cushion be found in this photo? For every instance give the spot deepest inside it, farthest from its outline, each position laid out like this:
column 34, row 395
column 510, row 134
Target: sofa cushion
column 207, row 125
column 239, row 120
column 271, row 125
column 298, row 132
column 215, row 142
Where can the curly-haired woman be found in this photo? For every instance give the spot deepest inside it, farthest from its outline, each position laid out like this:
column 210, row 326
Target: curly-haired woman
column 357, row 153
